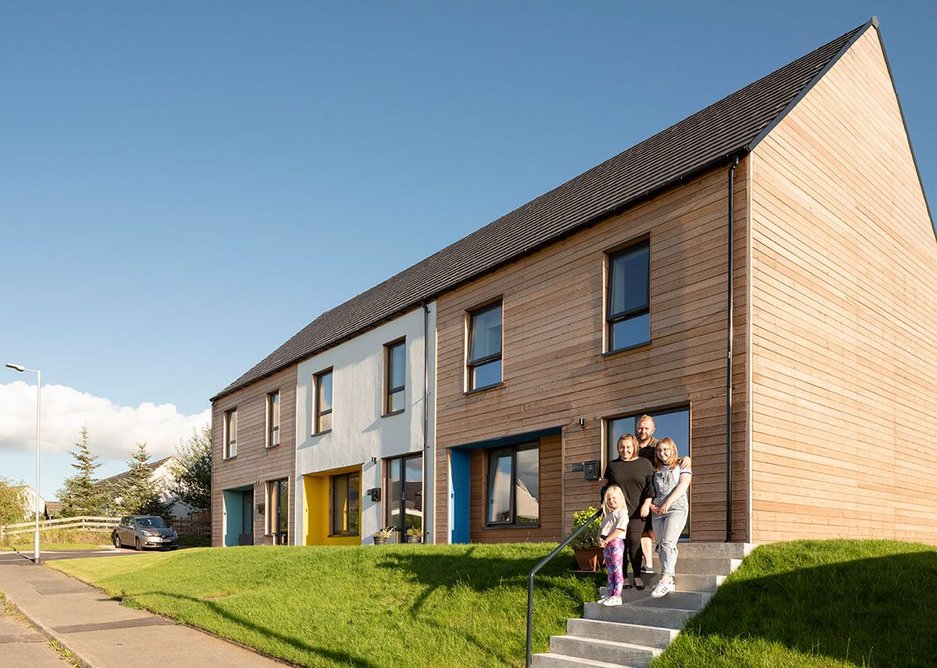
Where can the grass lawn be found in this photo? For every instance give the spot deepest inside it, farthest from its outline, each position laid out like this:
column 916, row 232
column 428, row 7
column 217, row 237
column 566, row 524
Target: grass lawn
column 819, row 603
column 404, row 605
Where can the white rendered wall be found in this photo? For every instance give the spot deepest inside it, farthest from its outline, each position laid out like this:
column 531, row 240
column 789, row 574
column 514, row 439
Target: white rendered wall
column 359, row 431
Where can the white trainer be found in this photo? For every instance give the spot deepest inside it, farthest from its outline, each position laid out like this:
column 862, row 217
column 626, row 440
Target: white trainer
column 612, row 600
column 662, row 589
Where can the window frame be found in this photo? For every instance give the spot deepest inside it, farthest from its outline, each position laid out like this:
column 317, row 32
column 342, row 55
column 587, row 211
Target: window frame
column 472, row 364
column 348, row 476
column 318, row 413
column 388, row 509
column 273, row 419
column 630, row 314
column 512, row 523
column 229, row 445
column 390, row 390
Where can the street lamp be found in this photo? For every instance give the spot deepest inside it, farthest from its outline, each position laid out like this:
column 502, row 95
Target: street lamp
column 21, row 368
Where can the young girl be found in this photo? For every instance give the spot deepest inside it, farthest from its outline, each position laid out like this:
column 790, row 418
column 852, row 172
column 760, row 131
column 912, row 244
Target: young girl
column 613, row 528
column 669, row 511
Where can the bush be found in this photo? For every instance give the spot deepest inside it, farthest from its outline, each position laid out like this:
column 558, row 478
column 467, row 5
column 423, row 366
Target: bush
column 589, row 537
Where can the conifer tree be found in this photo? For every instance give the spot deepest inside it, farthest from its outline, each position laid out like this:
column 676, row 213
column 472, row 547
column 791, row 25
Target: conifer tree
column 138, row 493
column 192, row 470
column 80, row 495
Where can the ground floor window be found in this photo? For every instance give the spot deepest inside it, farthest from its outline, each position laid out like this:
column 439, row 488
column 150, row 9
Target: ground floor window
column 403, row 480
column 278, row 510
column 671, row 423
column 514, row 486
column 345, row 504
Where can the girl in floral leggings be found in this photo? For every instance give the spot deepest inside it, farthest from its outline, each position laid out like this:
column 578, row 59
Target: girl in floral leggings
column 613, row 527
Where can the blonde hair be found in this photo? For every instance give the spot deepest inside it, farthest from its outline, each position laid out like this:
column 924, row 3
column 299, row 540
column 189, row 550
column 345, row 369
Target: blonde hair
column 616, row 490
column 672, row 460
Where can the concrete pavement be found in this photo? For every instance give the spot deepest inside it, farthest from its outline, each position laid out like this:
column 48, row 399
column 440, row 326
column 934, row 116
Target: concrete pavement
column 100, row 631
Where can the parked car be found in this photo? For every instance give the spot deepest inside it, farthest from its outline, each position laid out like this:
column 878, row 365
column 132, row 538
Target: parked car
column 142, row 531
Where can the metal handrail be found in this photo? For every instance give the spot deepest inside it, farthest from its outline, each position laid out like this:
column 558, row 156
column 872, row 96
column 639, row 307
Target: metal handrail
column 543, row 562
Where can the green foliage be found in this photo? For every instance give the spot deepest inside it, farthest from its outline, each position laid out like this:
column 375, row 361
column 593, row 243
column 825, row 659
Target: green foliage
column 589, row 537
column 80, row 494
column 397, row 605
column 192, row 470
column 12, row 503
column 137, row 493
column 818, row 603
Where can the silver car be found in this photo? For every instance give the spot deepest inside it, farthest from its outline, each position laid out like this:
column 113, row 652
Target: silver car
column 144, row 531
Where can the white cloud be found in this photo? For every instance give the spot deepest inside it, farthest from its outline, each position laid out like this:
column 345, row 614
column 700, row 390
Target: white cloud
column 113, row 431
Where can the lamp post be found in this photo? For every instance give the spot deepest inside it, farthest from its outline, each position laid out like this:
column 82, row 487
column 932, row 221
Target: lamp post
column 21, row 368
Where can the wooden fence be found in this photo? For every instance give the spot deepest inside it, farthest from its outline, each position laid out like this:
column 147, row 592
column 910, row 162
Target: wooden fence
column 82, row 523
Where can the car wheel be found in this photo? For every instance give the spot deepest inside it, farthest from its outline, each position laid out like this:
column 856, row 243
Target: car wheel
column 174, row 547
column 116, row 538
column 136, row 545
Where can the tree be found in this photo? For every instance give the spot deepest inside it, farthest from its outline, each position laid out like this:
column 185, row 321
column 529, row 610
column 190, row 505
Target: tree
column 192, row 470
column 138, row 493
column 12, row 503
column 80, row 495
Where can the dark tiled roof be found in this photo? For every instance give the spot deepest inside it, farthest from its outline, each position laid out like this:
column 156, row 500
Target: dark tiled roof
column 729, row 127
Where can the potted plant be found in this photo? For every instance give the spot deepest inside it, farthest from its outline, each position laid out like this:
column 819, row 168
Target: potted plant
column 414, row 535
column 381, row 535
column 586, row 545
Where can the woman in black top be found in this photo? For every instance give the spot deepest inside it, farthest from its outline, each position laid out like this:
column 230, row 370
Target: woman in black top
column 635, row 476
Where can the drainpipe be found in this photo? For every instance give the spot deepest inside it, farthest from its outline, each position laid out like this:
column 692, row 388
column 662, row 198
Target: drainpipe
column 730, row 298
column 425, row 413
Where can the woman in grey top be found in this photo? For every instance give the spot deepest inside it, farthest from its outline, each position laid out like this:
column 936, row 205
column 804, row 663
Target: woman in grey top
column 669, row 510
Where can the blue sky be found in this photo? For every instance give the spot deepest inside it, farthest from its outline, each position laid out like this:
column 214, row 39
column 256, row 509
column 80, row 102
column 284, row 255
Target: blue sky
column 183, row 186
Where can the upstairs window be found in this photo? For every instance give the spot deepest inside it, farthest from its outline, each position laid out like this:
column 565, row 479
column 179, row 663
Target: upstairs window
column 395, row 375
column 323, row 411
column 230, row 438
column 273, row 419
column 484, row 347
column 628, row 297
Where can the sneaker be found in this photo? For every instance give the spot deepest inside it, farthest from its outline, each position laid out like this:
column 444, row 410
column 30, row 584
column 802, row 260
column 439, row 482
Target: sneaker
column 612, row 600
column 602, row 600
column 662, row 589
column 647, row 570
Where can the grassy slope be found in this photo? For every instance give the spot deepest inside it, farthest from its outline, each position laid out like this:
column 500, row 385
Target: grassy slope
column 819, row 603
column 410, row 605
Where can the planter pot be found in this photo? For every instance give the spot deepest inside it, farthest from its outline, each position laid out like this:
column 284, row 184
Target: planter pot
column 379, row 540
column 589, row 558
column 414, row 539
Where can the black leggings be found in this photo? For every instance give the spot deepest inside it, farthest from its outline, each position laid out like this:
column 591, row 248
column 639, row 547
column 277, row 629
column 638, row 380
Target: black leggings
column 633, row 547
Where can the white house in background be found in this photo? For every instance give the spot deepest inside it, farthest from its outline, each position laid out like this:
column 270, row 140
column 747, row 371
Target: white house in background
column 365, row 424
column 162, row 478
column 29, row 502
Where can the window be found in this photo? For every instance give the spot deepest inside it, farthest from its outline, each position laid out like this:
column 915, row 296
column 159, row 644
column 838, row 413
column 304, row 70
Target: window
column 395, row 375
column 345, row 504
column 278, row 501
column 628, row 297
column 230, row 433
column 403, row 482
column 484, row 347
column 323, row 383
column 514, row 486
column 273, row 419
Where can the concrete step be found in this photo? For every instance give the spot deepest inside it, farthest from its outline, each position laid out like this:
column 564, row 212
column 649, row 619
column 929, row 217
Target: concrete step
column 560, row 661
column 705, row 565
column 668, row 618
column 726, row 550
column 685, row 582
column 638, row 634
column 617, row 653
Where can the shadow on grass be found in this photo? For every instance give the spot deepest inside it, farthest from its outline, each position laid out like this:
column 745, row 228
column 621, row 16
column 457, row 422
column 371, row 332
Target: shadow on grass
column 871, row 612
column 339, row 658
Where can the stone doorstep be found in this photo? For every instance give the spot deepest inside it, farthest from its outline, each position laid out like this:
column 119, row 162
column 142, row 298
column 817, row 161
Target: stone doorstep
column 639, row 634
column 603, row 650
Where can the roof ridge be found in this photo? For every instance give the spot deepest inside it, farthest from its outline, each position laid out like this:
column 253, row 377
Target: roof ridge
column 725, row 128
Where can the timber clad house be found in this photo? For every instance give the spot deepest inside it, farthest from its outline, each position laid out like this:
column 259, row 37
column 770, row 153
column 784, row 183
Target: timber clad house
column 761, row 278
